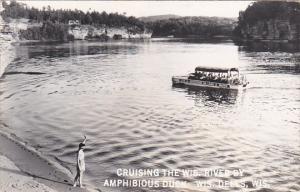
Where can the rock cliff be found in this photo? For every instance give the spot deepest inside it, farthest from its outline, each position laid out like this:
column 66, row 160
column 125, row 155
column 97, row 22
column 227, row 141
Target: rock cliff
column 81, row 32
column 270, row 21
column 274, row 29
column 7, row 52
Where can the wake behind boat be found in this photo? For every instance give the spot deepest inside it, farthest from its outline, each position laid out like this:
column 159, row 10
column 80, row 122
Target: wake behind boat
column 222, row 78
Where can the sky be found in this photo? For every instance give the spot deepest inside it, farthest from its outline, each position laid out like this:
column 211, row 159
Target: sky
column 148, row 8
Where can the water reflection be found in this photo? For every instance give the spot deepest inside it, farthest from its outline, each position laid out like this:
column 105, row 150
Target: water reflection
column 277, row 68
column 55, row 50
column 207, row 95
column 271, row 57
column 268, row 46
column 193, row 40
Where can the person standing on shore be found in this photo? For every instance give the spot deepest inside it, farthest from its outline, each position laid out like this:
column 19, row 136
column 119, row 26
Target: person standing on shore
column 80, row 164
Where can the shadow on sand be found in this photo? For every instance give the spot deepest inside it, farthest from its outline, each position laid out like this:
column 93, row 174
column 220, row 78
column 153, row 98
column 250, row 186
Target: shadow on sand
column 32, row 175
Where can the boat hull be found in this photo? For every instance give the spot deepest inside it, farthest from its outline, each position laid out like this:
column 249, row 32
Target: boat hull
column 183, row 80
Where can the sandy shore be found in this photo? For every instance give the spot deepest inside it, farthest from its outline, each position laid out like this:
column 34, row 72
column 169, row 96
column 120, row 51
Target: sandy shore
column 23, row 169
column 14, row 180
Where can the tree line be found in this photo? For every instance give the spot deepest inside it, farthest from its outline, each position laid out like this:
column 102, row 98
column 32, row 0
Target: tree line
column 198, row 27
column 20, row 10
column 179, row 27
column 48, row 31
column 201, row 27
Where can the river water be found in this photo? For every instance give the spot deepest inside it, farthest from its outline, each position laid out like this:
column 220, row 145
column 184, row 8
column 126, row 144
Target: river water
column 120, row 95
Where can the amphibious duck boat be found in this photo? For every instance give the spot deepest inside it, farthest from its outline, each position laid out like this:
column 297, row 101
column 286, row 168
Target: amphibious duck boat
column 221, row 78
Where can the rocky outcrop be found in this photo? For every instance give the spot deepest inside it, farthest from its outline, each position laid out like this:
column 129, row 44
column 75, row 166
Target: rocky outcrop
column 274, row 29
column 81, row 32
column 7, row 52
column 270, row 21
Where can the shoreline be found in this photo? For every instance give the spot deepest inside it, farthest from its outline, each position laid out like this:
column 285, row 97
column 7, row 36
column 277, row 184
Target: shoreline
column 29, row 164
column 13, row 179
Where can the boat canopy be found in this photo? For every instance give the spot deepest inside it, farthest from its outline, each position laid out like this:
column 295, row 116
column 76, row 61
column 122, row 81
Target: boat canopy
column 215, row 69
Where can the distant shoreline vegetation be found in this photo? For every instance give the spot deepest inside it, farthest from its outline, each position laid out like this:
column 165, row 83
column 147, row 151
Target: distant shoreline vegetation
column 55, row 23
column 193, row 27
column 17, row 10
column 261, row 21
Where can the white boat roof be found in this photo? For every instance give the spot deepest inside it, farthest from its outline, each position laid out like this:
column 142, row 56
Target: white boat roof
column 216, row 69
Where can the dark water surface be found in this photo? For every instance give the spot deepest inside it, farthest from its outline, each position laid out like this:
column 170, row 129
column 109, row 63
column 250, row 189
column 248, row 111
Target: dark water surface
column 120, row 95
